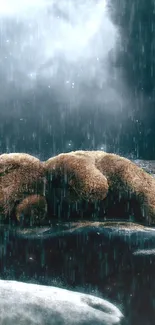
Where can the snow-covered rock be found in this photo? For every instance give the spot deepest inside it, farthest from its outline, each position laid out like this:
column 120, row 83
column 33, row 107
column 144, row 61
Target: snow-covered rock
column 31, row 304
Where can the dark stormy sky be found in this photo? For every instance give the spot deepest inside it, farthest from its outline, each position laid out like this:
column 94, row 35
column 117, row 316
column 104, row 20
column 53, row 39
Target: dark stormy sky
column 77, row 74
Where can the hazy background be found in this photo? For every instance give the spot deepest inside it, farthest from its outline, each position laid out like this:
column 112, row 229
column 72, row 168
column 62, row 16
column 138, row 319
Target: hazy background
column 77, row 75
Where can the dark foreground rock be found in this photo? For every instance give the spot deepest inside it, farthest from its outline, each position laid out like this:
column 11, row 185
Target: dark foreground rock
column 113, row 260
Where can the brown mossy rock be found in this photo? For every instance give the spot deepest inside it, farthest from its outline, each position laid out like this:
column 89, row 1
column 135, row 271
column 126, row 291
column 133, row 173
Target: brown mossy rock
column 76, row 171
column 31, row 210
column 101, row 179
column 77, row 185
column 21, row 177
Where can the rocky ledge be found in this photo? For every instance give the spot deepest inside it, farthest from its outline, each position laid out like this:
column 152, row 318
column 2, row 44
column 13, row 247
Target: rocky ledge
column 115, row 260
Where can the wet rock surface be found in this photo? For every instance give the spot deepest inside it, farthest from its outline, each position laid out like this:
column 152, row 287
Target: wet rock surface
column 34, row 304
column 114, row 260
column 147, row 165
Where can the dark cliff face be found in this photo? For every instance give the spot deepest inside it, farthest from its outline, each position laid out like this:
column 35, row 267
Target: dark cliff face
column 137, row 26
column 136, row 22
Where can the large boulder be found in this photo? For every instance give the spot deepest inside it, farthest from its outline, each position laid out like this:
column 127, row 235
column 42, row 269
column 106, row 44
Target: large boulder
column 77, row 185
column 99, row 184
column 22, row 187
column 23, row 304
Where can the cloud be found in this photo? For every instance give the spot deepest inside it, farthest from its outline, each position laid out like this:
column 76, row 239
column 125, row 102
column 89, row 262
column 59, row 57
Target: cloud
column 64, row 46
